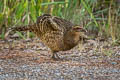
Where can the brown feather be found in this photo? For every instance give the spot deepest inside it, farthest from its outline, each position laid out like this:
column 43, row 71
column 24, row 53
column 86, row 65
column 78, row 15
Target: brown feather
column 56, row 33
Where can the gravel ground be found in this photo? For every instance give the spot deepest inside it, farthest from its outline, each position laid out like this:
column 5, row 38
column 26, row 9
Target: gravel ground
column 27, row 60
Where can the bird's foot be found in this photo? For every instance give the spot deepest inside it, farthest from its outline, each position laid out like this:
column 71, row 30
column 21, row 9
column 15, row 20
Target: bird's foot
column 56, row 57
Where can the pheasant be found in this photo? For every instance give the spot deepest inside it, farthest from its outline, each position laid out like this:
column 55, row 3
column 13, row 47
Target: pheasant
column 56, row 33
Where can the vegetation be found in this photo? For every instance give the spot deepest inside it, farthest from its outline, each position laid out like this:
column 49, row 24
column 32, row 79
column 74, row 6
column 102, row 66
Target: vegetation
column 101, row 17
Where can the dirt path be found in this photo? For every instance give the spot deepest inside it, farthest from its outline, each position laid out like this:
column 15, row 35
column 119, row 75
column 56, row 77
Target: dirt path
column 30, row 60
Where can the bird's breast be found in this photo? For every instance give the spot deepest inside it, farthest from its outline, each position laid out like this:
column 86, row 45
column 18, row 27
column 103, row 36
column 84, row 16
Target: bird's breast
column 54, row 40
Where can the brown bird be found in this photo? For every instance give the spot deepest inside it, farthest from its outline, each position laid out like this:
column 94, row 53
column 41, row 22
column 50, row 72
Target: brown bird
column 56, row 33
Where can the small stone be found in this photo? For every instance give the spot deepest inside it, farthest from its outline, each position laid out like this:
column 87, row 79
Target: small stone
column 113, row 63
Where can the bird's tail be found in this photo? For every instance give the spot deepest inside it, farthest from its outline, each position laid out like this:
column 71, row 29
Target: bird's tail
column 21, row 28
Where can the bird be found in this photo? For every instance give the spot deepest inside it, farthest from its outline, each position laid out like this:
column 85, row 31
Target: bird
column 56, row 33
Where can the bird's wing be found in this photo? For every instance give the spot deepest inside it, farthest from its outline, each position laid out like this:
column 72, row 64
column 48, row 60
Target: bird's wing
column 65, row 24
column 46, row 21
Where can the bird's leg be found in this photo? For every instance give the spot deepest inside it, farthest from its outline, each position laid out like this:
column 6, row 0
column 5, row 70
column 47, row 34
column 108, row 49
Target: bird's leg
column 55, row 56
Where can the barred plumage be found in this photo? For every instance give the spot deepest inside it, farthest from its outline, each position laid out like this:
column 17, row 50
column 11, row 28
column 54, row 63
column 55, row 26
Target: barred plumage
column 56, row 33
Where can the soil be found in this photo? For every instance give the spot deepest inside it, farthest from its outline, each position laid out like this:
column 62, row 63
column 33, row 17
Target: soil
column 31, row 60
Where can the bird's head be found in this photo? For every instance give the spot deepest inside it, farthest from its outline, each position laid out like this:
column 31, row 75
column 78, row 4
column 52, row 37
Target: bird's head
column 78, row 28
column 80, row 31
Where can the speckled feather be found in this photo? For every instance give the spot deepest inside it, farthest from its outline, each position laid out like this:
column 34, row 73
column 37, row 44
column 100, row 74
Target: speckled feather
column 56, row 33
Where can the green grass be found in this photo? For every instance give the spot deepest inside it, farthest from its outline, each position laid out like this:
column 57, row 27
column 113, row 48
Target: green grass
column 88, row 13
